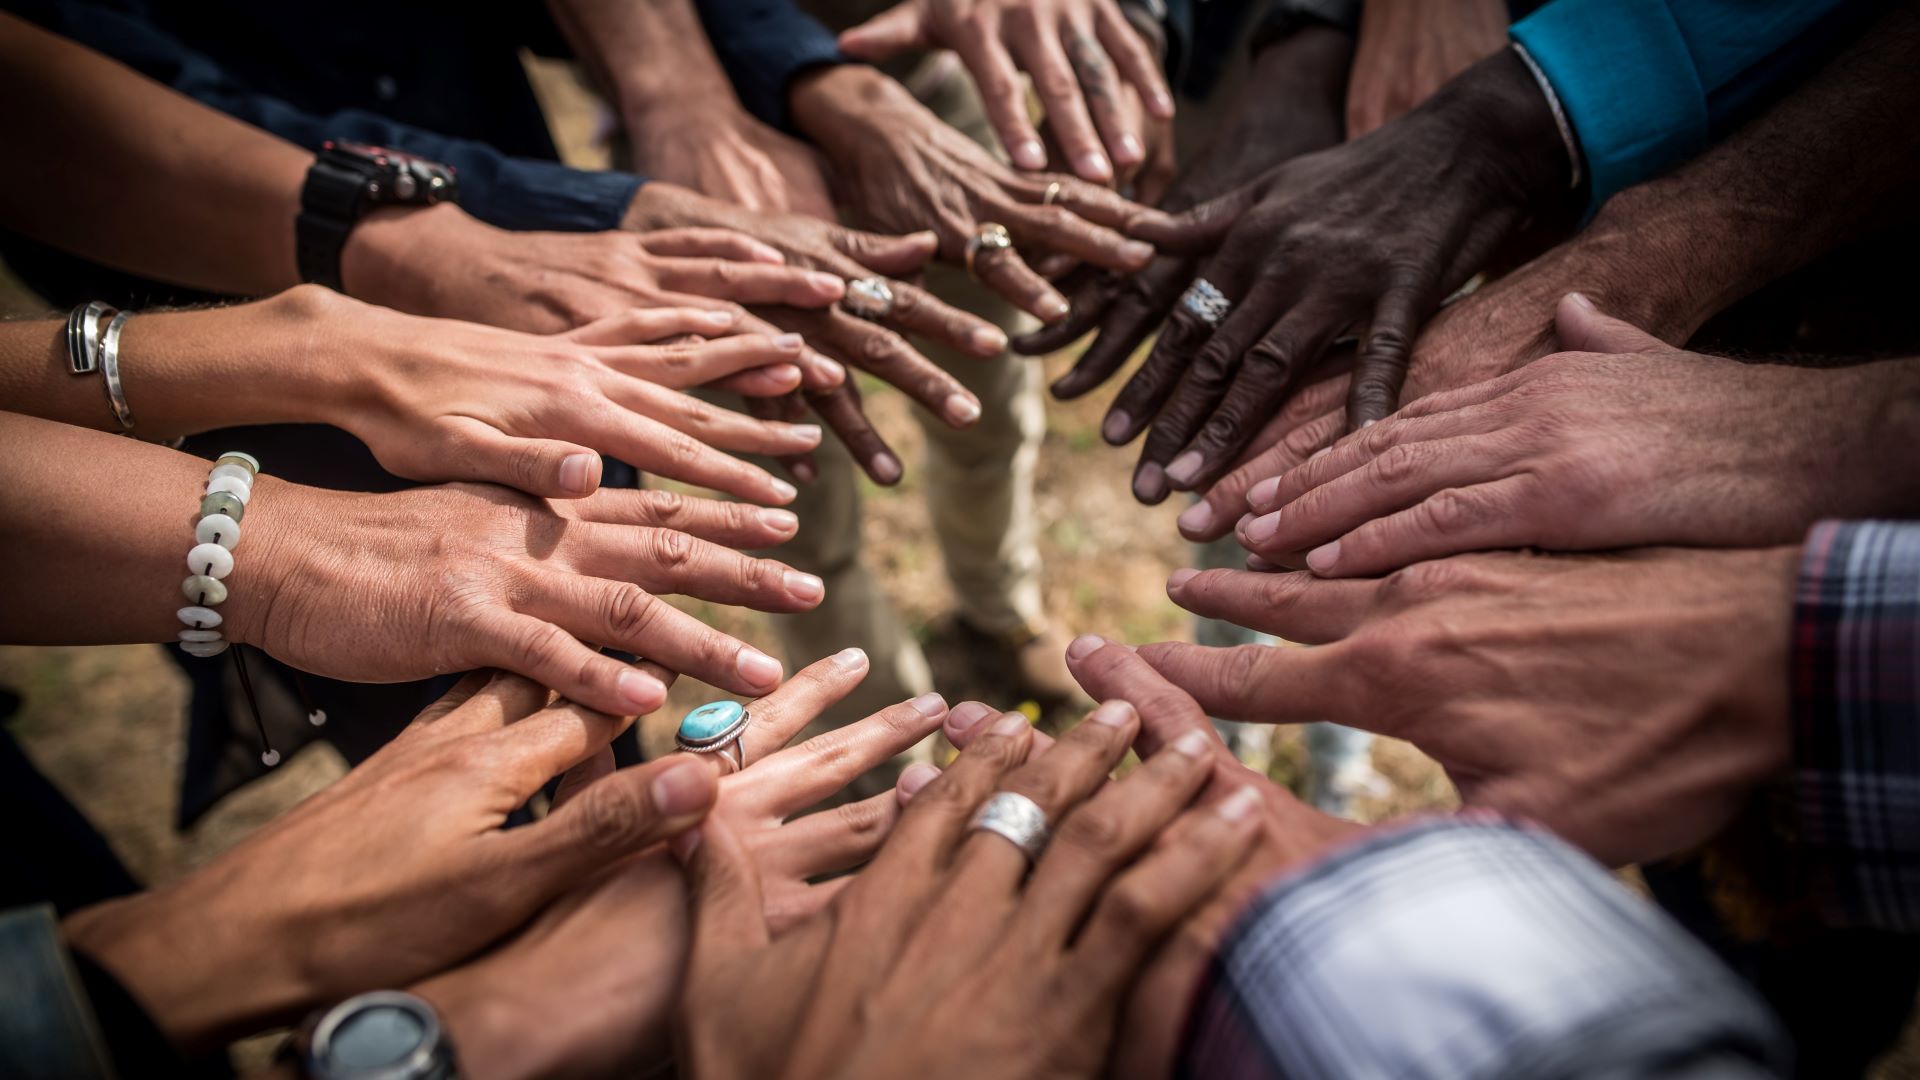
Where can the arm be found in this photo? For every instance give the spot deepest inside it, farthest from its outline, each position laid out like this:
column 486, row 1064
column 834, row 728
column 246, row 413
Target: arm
column 1855, row 699
column 1344, row 970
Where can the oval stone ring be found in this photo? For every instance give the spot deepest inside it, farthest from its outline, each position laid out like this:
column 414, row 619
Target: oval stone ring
column 715, row 728
column 868, row 298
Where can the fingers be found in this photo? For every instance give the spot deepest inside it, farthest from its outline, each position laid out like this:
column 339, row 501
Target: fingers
column 668, row 562
column 1254, row 684
column 751, row 282
column 1225, row 503
column 719, row 428
column 1296, row 606
column 1097, row 839
column 967, row 721
column 642, row 326
column 1381, row 368
column 1136, row 61
column 893, row 31
column 1056, row 82
column 1108, row 670
column 831, row 841
column 781, row 715
column 733, row 524
column 622, row 615
column 1141, row 303
column 533, row 647
column 1101, row 88
column 480, row 701
column 933, row 824
column 697, row 363
column 1266, row 376
column 887, row 356
column 599, row 765
column 1006, row 273
column 1063, row 228
column 918, row 311
column 820, row 767
column 1478, row 517
column 1092, row 289
column 895, row 256
column 1148, row 901
column 729, row 917
column 1002, row 92
column 1059, row 780
column 475, row 450
column 530, row 752
column 697, row 241
column 1584, row 328
column 774, row 381
column 841, row 411
column 651, row 446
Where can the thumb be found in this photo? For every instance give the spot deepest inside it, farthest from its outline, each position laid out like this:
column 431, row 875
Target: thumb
column 889, row 33
column 895, row 256
column 1584, row 328
column 729, row 909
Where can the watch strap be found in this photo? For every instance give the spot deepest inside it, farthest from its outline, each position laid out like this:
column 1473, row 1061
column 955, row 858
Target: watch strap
column 331, row 203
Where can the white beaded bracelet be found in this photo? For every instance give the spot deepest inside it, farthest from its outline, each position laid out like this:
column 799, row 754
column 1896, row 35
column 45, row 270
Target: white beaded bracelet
column 229, row 486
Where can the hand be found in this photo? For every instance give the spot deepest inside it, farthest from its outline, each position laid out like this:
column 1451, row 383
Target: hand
column 903, row 168
column 947, row 914
column 588, row 986
column 1074, row 49
column 1623, row 443
column 444, row 400
column 1372, row 233
column 1628, row 702
column 392, row 587
column 1289, row 106
column 723, row 153
column 397, row 870
column 1409, row 49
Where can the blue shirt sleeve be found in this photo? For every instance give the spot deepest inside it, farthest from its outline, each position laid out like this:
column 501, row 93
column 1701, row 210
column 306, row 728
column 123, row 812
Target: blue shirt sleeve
column 764, row 45
column 509, row 192
column 1647, row 84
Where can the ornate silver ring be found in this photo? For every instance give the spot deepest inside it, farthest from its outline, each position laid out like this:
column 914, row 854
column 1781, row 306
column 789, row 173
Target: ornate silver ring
column 868, row 298
column 990, row 236
column 1016, row 818
column 1205, row 302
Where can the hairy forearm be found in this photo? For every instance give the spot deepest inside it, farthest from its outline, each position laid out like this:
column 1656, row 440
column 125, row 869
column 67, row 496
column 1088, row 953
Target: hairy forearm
column 1821, row 167
column 648, row 54
column 112, row 166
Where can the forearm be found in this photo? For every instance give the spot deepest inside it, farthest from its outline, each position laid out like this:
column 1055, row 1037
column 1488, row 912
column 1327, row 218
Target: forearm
column 650, row 55
column 99, row 528
column 215, row 200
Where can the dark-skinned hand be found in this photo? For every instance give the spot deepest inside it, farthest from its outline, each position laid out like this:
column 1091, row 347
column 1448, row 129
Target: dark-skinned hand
column 1367, row 237
column 1289, row 106
column 901, row 168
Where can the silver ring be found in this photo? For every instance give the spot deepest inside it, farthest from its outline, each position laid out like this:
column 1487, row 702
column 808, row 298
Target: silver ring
column 868, row 298
column 715, row 728
column 1053, row 194
column 1205, row 302
column 1016, row 818
column 990, row 236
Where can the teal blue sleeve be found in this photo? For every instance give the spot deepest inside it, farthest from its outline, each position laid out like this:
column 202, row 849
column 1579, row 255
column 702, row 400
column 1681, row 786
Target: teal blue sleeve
column 1647, row 84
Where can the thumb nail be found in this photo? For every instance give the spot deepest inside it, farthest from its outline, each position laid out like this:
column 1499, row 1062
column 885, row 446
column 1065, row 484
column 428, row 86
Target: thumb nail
column 1581, row 299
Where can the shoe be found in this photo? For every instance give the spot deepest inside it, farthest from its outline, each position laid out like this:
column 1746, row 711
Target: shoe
column 1035, row 663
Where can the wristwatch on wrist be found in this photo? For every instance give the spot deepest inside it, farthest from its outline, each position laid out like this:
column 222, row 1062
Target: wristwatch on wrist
column 347, row 180
column 382, row 1035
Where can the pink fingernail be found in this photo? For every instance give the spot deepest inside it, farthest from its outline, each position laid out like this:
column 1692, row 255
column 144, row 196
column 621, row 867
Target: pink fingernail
column 1083, row 645
column 639, row 690
column 1195, row 518
column 1179, row 578
column 757, row 667
column 1261, row 529
column 1136, row 252
column 1150, row 483
column 784, row 522
column 929, row 705
column 915, row 777
column 788, row 342
column 1260, row 495
column 850, row 659
column 966, row 716
column 1113, row 714
column 828, row 282
column 1054, row 308
column 1191, row 744
column 577, row 473
column 719, row 320
column 1012, row 723
column 963, row 409
column 1321, row 559
column 886, row 468
column 682, row 789
column 1185, row 467
column 989, row 341
column 1093, row 165
column 1238, row 805
column 782, row 490
column 1029, row 154
column 1116, row 427
column 804, row 586
column 1130, row 149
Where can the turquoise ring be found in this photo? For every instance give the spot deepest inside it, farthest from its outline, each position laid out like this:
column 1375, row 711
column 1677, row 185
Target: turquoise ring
column 715, row 728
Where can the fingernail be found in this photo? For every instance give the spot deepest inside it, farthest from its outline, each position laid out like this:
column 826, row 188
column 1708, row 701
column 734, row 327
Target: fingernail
column 1262, row 493
column 831, row 368
column 1083, row 645
column 784, row 522
column 1368, row 423
column 1581, row 299
column 1130, row 149
column 1238, row 805
column 804, row 586
column 1261, row 529
column 1029, row 154
column 788, row 342
column 1179, row 578
column 1321, row 559
column 830, row 282
column 719, row 320
column 782, row 489
column 966, row 716
column 1195, row 518
column 639, row 690
column 1116, row 426
column 1113, row 714
column 757, row 667
column 915, row 777
column 1093, row 166
column 929, row 705
column 1190, row 744
column 1137, row 252
column 1150, row 483
column 804, row 473
column 1012, row 723
column 576, row 473
column 988, row 340
column 682, row 789
column 963, row 409
column 809, row 432
column 926, row 237
column 850, row 659
column 1185, row 467
column 1160, row 103
column 1054, row 308
column 886, row 468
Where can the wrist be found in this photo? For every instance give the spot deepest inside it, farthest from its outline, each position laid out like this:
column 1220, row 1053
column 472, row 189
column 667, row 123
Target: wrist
column 1498, row 108
column 396, row 256
column 261, row 584
column 838, row 105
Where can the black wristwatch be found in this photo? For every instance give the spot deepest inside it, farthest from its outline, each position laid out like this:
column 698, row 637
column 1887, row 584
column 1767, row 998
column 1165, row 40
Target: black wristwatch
column 381, row 1035
column 347, row 180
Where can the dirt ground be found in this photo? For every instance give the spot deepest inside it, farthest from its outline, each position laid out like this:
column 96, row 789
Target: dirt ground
column 106, row 724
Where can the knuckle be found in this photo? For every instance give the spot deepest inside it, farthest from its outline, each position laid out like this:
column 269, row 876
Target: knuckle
column 1421, row 581
column 1134, row 907
column 1452, row 511
column 538, row 647
column 1093, row 829
column 631, row 612
column 669, row 507
column 1240, row 665
column 880, row 346
column 865, row 819
column 1399, row 465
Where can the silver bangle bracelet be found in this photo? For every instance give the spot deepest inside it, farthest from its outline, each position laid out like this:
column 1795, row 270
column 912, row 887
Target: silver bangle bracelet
column 110, row 370
column 1559, row 114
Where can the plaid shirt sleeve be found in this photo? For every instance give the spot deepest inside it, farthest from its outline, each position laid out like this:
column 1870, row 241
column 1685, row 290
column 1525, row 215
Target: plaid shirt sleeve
column 1469, row 947
column 1856, row 700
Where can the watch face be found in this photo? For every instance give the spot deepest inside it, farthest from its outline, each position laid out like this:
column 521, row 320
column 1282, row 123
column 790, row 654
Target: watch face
column 380, row 1035
column 377, row 1037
